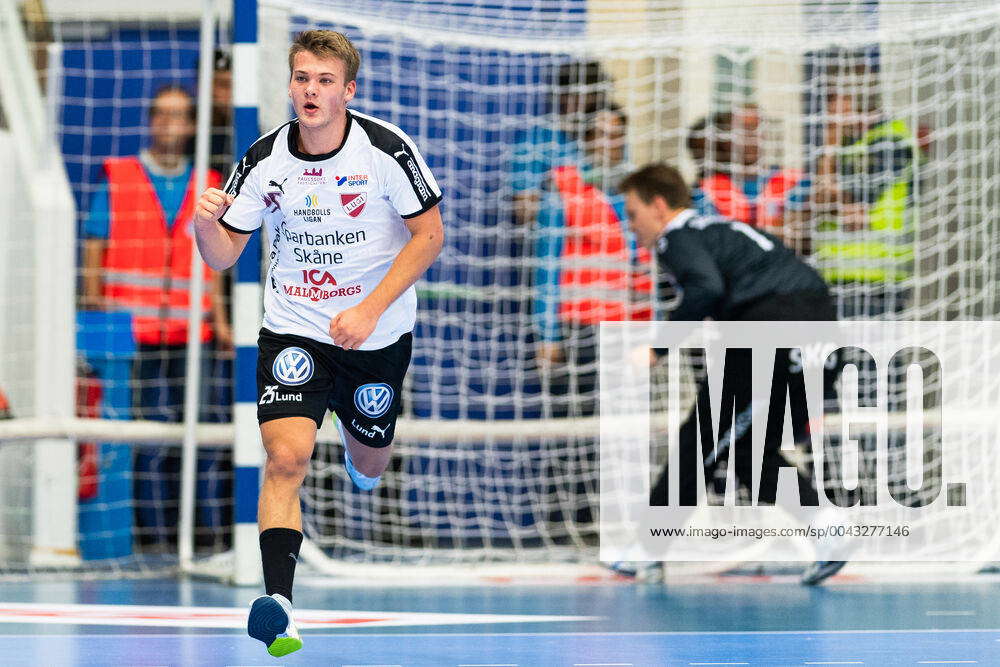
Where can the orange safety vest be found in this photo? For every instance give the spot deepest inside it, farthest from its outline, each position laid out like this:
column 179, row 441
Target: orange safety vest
column 766, row 211
column 597, row 282
column 147, row 266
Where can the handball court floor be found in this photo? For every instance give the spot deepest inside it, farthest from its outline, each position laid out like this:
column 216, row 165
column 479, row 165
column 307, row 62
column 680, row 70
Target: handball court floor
column 592, row 622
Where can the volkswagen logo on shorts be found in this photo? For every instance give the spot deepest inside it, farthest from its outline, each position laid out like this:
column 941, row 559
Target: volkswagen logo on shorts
column 373, row 399
column 293, row 366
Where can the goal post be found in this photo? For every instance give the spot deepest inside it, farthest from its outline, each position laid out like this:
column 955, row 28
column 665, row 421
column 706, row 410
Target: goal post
column 248, row 451
column 40, row 237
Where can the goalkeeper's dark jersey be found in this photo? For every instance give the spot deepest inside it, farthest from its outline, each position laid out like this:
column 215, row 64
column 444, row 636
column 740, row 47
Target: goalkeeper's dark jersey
column 722, row 267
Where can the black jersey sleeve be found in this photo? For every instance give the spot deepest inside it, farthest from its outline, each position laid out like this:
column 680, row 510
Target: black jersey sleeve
column 683, row 254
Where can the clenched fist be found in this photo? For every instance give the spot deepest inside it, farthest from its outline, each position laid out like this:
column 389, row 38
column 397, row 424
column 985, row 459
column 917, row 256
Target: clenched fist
column 212, row 204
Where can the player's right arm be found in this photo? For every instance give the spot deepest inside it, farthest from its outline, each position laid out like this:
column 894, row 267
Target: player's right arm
column 220, row 247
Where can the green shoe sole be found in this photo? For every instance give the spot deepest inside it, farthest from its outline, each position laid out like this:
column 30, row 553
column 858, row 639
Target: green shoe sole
column 283, row 646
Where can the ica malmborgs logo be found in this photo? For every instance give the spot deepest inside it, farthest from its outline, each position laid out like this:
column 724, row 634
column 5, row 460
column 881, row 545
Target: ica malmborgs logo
column 293, row 366
column 373, row 399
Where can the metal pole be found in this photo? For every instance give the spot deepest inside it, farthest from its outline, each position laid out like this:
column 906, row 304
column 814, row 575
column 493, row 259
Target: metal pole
column 248, row 454
column 189, row 452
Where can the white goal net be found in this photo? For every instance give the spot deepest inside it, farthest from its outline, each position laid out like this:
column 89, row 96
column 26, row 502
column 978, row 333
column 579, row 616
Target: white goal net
column 870, row 127
column 866, row 133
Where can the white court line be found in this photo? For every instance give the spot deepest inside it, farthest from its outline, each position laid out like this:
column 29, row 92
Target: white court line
column 950, row 613
column 235, row 617
column 668, row 633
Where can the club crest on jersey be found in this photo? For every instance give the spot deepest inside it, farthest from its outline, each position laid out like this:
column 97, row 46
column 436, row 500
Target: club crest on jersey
column 354, row 203
column 373, row 399
column 293, row 366
column 271, row 201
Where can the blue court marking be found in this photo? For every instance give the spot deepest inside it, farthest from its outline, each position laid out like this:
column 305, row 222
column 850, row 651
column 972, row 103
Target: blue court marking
column 521, row 650
column 639, row 625
column 724, row 606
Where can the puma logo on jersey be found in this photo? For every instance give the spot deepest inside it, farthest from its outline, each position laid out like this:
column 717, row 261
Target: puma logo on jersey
column 375, row 427
column 399, row 154
column 275, row 184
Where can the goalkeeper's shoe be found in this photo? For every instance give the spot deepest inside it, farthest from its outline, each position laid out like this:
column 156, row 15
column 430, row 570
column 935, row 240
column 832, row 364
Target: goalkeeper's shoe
column 820, row 571
column 640, row 571
column 271, row 622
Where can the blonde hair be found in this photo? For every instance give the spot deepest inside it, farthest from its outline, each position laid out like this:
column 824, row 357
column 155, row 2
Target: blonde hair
column 326, row 44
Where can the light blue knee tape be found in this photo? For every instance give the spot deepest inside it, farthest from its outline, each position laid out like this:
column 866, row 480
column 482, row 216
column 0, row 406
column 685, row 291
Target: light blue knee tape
column 363, row 482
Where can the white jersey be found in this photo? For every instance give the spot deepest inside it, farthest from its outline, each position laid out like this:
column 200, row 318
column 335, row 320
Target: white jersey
column 334, row 223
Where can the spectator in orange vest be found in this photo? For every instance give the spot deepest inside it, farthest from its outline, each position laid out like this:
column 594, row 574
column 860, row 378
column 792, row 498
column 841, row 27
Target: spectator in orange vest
column 586, row 271
column 137, row 260
column 732, row 183
column 579, row 89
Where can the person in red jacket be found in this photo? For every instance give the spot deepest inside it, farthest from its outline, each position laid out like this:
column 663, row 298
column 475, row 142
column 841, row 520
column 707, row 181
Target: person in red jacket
column 732, row 182
column 137, row 261
column 588, row 269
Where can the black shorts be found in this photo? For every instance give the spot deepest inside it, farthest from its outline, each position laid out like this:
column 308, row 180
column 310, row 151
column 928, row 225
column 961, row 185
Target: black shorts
column 300, row 377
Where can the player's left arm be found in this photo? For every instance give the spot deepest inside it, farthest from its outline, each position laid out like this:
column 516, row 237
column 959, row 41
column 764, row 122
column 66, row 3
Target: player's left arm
column 352, row 327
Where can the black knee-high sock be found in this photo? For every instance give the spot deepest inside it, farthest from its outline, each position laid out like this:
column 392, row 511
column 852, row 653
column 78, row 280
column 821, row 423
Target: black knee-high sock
column 279, row 551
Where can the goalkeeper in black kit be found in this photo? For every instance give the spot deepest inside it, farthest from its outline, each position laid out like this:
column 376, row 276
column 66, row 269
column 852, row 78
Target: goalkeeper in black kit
column 725, row 270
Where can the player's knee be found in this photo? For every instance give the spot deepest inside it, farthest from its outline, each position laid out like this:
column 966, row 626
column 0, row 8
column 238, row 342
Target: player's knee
column 286, row 462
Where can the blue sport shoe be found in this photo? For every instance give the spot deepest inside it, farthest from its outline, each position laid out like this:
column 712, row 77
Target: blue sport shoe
column 270, row 621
